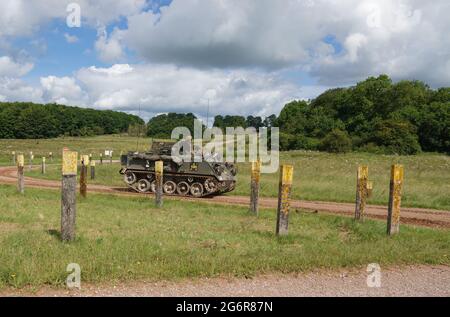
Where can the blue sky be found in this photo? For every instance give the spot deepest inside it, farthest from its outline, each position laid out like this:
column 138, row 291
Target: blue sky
column 247, row 57
column 62, row 58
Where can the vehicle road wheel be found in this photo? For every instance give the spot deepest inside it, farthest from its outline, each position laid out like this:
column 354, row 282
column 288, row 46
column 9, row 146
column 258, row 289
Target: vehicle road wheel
column 169, row 187
column 183, row 188
column 129, row 178
column 197, row 190
column 143, row 186
column 211, row 185
column 153, row 187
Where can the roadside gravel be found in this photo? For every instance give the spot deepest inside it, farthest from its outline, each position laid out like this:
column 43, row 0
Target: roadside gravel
column 403, row 281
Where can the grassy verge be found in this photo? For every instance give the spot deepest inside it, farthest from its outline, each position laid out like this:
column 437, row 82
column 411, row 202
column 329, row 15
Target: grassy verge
column 122, row 239
column 328, row 177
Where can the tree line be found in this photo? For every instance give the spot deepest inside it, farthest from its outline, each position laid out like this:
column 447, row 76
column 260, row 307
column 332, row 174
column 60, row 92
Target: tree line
column 161, row 126
column 375, row 115
column 36, row 121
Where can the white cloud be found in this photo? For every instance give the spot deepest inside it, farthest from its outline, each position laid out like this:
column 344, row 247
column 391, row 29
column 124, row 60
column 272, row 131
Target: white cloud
column 377, row 36
column 62, row 90
column 165, row 88
column 13, row 89
column 235, row 52
column 109, row 49
column 224, row 33
column 162, row 88
column 353, row 43
column 23, row 17
column 71, row 38
column 405, row 39
column 10, row 68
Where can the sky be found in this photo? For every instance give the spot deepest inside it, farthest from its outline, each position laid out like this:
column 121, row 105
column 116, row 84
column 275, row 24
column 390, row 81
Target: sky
column 243, row 57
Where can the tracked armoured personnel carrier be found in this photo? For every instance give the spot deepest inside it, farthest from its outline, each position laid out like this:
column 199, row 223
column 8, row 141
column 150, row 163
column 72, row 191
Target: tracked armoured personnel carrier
column 196, row 179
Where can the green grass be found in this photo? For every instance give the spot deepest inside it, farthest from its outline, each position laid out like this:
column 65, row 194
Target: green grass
column 317, row 176
column 120, row 239
column 328, row 177
column 88, row 145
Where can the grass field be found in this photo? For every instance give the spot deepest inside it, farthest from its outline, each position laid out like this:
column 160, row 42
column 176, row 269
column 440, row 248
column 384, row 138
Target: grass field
column 328, row 177
column 94, row 145
column 122, row 239
column 318, row 176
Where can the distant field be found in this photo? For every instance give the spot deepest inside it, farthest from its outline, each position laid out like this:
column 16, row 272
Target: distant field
column 94, row 145
column 121, row 239
column 318, row 176
column 328, row 177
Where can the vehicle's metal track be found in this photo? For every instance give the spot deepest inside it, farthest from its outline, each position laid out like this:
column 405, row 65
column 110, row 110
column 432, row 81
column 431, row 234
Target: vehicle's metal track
column 181, row 178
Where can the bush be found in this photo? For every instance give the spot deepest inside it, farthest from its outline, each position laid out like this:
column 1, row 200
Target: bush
column 372, row 148
column 290, row 142
column 397, row 137
column 285, row 141
column 304, row 143
column 337, row 141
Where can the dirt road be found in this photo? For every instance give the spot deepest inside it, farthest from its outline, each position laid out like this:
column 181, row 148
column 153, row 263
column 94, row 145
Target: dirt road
column 415, row 216
column 402, row 281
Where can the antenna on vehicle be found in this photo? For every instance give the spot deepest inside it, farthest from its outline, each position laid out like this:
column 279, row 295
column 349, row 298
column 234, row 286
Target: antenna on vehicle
column 207, row 116
column 139, row 131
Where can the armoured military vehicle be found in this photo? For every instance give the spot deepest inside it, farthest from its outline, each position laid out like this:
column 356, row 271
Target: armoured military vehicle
column 196, row 179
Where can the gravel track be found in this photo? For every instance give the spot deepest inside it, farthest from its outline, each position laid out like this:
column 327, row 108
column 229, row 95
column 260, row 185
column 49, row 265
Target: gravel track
column 423, row 281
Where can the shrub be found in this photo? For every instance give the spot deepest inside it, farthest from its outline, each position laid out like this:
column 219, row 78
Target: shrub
column 372, row 148
column 397, row 137
column 302, row 142
column 337, row 141
column 285, row 141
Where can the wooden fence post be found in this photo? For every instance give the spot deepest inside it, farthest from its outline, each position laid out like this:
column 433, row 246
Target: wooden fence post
column 68, row 195
column 159, row 168
column 92, row 169
column 31, row 160
column 110, row 157
column 50, row 156
column 254, row 187
column 83, row 175
column 395, row 198
column 13, row 158
column 361, row 192
column 43, row 169
column 369, row 189
column 101, row 158
column 20, row 172
column 284, row 195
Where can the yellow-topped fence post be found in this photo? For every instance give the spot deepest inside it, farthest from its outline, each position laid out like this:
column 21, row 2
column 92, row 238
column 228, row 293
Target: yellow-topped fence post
column 254, row 187
column 83, row 175
column 159, row 168
column 43, row 167
column 362, row 182
column 395, row 199
column 68, row 194
column 92, row 169
column 284, row 196
column 20, row 173
column 31, row 160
